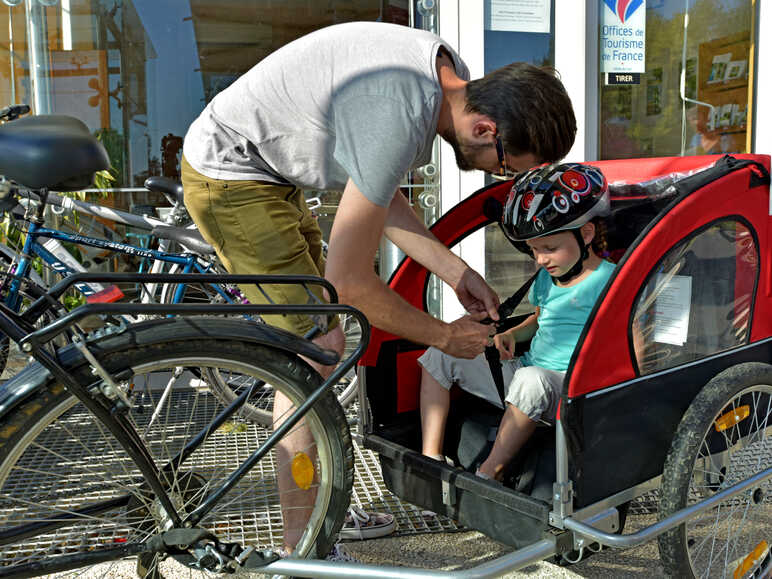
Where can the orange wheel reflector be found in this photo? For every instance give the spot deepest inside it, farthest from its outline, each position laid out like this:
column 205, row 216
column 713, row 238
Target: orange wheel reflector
column 753, row 558
column 302, row 470
column 731, row 418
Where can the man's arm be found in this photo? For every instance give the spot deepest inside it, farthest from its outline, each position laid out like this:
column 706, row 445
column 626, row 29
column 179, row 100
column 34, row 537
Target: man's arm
column 408, row 232
column 356, row 233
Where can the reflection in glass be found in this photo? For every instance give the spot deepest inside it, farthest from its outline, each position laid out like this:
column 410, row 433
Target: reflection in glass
column 646, row 120
column 138, row 72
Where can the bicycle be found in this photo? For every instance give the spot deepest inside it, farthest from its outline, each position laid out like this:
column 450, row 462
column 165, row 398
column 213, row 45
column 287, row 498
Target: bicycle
column 101, row 456
column 113, row 446
column 198, row 257
column 18, row 290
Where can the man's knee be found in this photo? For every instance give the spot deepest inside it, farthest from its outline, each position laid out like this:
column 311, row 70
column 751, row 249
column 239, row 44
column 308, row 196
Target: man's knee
column 333, row 340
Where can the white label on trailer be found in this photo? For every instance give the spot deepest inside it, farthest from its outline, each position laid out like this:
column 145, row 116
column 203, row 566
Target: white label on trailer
column 672, row 308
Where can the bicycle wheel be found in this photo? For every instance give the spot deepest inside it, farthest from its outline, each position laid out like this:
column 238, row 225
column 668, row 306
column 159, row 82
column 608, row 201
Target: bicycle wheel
column 56, row 459
column 724, row 438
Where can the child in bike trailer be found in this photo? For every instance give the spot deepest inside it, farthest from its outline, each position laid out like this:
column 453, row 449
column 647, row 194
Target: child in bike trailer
column 552, row 213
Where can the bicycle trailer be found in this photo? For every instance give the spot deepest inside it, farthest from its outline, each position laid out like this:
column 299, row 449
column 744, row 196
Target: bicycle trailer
column 669, row 388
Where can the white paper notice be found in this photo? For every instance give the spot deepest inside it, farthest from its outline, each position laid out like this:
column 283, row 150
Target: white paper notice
column 672, row 308
column 519, row 15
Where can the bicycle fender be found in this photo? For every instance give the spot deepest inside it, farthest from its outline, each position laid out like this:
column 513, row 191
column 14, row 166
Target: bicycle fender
column 157, row 332
column 25, row 384
column 212, row 328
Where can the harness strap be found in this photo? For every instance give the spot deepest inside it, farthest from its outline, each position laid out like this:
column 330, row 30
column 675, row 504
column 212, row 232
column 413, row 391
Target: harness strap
column 491, row 353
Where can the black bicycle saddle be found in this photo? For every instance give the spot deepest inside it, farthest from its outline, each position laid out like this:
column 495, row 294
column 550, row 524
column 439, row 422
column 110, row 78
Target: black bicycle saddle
column 190, row 238
column 165, row 185
column 50, row 152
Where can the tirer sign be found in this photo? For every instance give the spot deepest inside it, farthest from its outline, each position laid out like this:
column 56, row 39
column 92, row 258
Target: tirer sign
column 623, row 36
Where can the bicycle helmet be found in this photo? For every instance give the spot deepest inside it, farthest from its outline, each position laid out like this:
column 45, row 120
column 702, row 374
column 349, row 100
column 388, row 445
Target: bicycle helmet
column 554, row 198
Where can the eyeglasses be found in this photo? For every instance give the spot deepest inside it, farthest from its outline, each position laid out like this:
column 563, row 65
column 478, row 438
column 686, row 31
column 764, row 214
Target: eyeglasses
column 504, row 174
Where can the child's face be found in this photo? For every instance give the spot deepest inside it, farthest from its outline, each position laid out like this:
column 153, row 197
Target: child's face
column 556, row 253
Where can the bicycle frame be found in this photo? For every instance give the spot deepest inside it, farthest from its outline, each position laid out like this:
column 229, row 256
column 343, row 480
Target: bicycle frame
column 32, row 247
column 103, row 408
column 175, row 216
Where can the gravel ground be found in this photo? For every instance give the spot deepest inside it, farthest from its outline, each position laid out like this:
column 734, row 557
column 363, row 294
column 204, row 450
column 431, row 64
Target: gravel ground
column 462, row 550
column 454, row 551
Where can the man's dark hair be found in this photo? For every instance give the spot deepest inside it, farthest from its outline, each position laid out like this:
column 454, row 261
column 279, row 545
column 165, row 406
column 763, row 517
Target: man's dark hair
column 531, row 109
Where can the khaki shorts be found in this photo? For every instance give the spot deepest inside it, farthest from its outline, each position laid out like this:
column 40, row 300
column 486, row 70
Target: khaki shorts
column 260, row 228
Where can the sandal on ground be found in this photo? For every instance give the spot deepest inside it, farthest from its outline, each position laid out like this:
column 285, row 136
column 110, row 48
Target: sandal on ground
column 362, row 525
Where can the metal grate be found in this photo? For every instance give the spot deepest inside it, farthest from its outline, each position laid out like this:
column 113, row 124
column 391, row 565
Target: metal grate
column 75, row 435
column 67, row 445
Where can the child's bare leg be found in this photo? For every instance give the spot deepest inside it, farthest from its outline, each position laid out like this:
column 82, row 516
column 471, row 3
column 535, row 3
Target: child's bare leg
column 435, row 405
column 515, row 429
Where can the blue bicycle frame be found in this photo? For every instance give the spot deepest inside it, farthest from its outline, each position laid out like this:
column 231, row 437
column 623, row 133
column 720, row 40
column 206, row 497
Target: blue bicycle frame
column 32, row 247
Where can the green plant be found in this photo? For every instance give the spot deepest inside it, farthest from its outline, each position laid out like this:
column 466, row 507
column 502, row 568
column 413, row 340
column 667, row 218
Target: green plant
column 72, row 301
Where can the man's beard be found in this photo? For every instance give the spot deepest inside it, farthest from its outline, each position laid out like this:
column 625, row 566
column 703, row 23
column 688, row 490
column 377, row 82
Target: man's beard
column 464, row 152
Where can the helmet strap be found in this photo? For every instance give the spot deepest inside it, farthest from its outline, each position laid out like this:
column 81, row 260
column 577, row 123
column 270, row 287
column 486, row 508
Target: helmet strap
column 578, row 267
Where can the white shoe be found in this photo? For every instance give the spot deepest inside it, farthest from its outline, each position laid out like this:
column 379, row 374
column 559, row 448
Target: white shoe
column 362, row 525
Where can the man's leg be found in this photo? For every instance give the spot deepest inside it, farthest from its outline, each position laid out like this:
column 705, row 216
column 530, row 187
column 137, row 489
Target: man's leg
column 297, row 505
column 260, row 228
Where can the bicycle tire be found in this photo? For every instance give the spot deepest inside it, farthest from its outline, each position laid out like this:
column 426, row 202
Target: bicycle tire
column 229, row 387
column 53, row 427
column 714, row 448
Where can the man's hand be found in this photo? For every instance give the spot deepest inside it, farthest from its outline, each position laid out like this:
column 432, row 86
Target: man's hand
column 467, row 337
column 476, row 295
column 505, row 344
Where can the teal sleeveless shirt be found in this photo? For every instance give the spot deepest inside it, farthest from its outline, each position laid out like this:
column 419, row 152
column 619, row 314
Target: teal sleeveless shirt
column 563, row 313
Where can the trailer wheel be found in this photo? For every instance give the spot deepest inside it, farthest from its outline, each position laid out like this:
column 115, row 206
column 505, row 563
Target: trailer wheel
column 724, row 437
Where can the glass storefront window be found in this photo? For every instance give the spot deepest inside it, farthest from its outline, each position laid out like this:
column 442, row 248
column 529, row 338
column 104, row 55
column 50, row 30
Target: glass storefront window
column 138, row 72
column 507, row 41
column 651, row 119
column 509, row 37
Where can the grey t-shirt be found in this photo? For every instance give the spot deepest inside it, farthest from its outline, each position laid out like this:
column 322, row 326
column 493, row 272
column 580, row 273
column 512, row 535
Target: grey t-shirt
column 358, row 100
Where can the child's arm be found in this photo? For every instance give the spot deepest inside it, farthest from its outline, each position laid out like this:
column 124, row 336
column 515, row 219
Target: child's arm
column 524, row 331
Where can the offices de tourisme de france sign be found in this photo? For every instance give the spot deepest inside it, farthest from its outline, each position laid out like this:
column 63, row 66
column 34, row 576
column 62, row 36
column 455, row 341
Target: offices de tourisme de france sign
column 623, row 36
